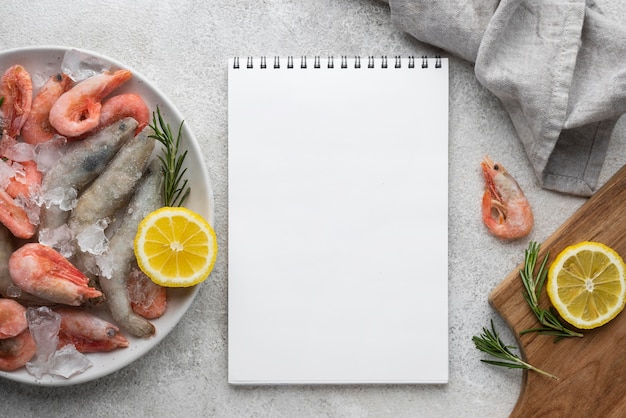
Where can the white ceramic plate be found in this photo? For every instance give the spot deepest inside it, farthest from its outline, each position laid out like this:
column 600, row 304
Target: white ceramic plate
column 42, row 62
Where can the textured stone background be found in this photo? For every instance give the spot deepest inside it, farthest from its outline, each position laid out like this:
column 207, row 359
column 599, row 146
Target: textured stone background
column 182, row 47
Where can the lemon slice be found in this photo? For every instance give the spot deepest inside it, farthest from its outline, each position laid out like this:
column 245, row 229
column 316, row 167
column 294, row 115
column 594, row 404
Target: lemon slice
column 586, row 284
column 175, row 247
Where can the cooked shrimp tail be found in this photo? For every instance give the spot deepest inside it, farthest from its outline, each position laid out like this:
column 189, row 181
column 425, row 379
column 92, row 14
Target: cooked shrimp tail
column 505, row 210
column 122, row 106
column 37, row 128
column 16, row 87
column 88, row 333
column 78, row 110
column 117, row 261
column 43, row 272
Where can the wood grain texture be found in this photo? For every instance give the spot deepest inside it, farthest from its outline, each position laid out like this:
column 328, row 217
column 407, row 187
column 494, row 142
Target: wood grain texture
column 592, row 369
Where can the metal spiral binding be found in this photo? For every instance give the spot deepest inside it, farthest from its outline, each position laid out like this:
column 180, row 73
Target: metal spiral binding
column 344, row 63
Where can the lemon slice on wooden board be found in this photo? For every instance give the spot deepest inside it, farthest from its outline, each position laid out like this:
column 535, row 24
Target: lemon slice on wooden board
column 586, row 284
column 175, row 247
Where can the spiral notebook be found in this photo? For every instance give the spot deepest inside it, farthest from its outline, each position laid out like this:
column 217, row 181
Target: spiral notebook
column 338, row 226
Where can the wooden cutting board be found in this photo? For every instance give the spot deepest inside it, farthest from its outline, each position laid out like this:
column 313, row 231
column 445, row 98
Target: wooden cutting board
column 592, row 369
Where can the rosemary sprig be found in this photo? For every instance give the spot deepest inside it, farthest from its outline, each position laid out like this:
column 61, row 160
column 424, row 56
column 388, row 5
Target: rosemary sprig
column 175, row 185
column 490, row 342
column 533, row 285
column 1, row 100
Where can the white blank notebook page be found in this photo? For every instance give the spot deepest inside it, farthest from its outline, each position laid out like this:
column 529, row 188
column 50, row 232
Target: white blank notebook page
column 338, row 221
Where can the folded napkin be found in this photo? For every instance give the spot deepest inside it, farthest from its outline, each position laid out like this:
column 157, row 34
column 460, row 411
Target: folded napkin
column 558, row 68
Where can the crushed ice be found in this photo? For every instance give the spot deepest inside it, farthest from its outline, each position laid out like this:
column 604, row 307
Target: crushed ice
column 48, row 153
column 105, row 265
column 7, row 172
column 44, row 326
column 79, row 66
column 58, row 238
column 64, row 198
column 93, row 239
column 30, row 207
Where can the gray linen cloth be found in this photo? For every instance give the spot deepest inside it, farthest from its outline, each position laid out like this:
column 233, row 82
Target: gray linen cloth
column 558, row 67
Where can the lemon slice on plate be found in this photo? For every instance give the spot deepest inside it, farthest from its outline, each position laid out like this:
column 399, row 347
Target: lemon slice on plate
column 586, row 284
column 175, row 247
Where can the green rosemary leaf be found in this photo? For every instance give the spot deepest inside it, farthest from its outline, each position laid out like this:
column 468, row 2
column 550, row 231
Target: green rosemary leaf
column 490, row 342
column 533, row 286
column 176, row 188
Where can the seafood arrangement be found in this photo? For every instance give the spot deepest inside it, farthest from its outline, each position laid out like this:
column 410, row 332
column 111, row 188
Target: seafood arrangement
column 77, row 176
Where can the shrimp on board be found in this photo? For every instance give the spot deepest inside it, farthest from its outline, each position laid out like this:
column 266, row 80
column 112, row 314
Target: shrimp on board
column 37, row 128
column 78, row 110
column 42, row 271
column 506, row 211
column 16, row 87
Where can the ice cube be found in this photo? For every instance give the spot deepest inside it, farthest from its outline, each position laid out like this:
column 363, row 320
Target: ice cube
column 44, row 325
column 58, row 238
column 13, row 291
column 48, row 153
column 92, row 239
column 30, row 207
column 7, row 172
column 65, row 199
column 20, row 151
column 67, row 362
column 80, row 66
column 105, row 265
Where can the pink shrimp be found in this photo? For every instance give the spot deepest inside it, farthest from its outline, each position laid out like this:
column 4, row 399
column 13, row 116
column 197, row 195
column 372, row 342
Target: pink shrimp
column 506, row 211
column 15, row 217
column 78, row 109
column 16, row 87
column 17, row 351
column 12, row 318
column 125, row 105
column 147, row 298
column 37, row 128
column 87, row 332
column 43, row 272
column 25, row 180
